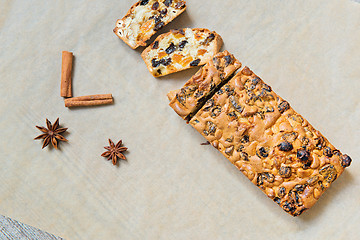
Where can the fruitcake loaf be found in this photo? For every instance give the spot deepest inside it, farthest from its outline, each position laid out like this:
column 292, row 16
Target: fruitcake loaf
column 203, row 84
column 181, row 49
column 270, row 143
column 145, row 18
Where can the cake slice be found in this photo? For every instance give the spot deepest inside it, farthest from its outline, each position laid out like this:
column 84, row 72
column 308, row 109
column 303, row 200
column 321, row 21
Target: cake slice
column 145, row 18
column 270, row 143
column 189, row 99
column 181, row 49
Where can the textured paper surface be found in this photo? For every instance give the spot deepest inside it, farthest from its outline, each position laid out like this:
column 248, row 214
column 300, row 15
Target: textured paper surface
column 170, row 187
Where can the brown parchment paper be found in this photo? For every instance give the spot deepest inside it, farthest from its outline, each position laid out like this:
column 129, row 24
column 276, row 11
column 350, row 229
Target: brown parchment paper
column 171, row 187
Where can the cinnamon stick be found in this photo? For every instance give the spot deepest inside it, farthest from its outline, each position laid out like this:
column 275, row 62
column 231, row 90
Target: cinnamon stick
column 91, row 100
column 66, row 71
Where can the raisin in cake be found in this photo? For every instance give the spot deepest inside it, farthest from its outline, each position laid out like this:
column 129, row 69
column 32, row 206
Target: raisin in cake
column 145, row 18
column 181, row 49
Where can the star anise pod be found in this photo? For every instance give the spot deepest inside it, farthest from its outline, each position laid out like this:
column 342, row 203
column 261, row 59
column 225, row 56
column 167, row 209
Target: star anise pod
column 51, row 134
column 114, row 151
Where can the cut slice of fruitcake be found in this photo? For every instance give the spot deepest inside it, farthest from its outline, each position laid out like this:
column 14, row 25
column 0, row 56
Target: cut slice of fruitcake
column 208, row 80
column 145, row 18
column 181, row 49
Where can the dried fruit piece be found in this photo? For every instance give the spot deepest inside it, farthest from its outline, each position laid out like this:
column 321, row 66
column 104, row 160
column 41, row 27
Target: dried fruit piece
column 345, row 161
column 313, row 180
column 299, row 188
column 303, row 155
column 263, row 152
column 245, row 139
column 235, row 104
column 285, row 146
column 244, row 156
column 171, row 49
column 159, row 25
column 320, row 142
column 289, row 207
column 210, row 128
column 155, row 45
column 165, row 62
column 186, row 61
column 163, row 13
column 265, row 177
column 277, row 200
column 162, row 54
column 155, row 63
column 209, row 39
column 282, row 192
column 285, row 171
column 180, row 5
column 290, row 137
column 228, row 60
column 182, row 44
column 147, row 26
column 283, row 106
column 267, row 88
column 201, row 52
column 144, row 2
column 155, row 6
column 168, row 3
column 177, row 58
column 328, row 152
column 195, row 63
column 329, row 173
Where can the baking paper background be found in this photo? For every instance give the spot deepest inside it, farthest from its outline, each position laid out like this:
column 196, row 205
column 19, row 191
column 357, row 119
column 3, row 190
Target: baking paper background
column 171, row 187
